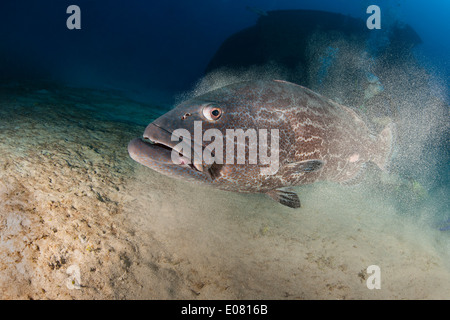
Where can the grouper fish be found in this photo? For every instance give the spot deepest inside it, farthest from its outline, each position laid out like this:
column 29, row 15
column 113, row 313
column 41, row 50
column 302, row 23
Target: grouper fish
column 313, row 138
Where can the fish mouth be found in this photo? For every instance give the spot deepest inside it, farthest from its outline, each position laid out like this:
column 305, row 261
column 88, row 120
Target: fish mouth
column 157, row 148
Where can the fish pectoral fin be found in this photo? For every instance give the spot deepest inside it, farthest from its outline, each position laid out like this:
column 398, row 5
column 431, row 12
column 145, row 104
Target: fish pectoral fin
column 306, row 166
column 286, row 198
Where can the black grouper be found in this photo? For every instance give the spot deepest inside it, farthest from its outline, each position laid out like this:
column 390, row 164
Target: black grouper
column 315, row 139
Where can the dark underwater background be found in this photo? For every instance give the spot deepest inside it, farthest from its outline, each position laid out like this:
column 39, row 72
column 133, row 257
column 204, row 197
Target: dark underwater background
column 145, row 45
column 133, row 61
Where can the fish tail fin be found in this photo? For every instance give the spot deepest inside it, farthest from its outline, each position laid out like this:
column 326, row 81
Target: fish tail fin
column 383, row 147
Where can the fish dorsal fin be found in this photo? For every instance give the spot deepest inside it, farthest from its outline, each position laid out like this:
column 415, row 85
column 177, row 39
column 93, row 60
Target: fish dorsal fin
column 286, row 198
column 305, row 166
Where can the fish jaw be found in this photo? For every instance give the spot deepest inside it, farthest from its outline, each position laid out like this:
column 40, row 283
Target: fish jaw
column 156, row 133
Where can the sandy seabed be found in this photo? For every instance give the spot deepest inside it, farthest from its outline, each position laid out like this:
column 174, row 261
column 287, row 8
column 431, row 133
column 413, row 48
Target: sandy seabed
column 72, row 199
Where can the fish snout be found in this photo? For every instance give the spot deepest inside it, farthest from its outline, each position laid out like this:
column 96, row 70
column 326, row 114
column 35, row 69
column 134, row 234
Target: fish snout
column 136, row 149
column 157, row 133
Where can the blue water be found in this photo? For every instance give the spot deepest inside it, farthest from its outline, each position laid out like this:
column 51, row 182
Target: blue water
column 326, row 61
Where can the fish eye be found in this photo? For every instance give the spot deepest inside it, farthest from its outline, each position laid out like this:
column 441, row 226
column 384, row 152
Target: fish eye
column 212, row 113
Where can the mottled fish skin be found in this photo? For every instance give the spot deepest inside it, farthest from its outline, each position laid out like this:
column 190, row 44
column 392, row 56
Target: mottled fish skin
column 318, row 138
